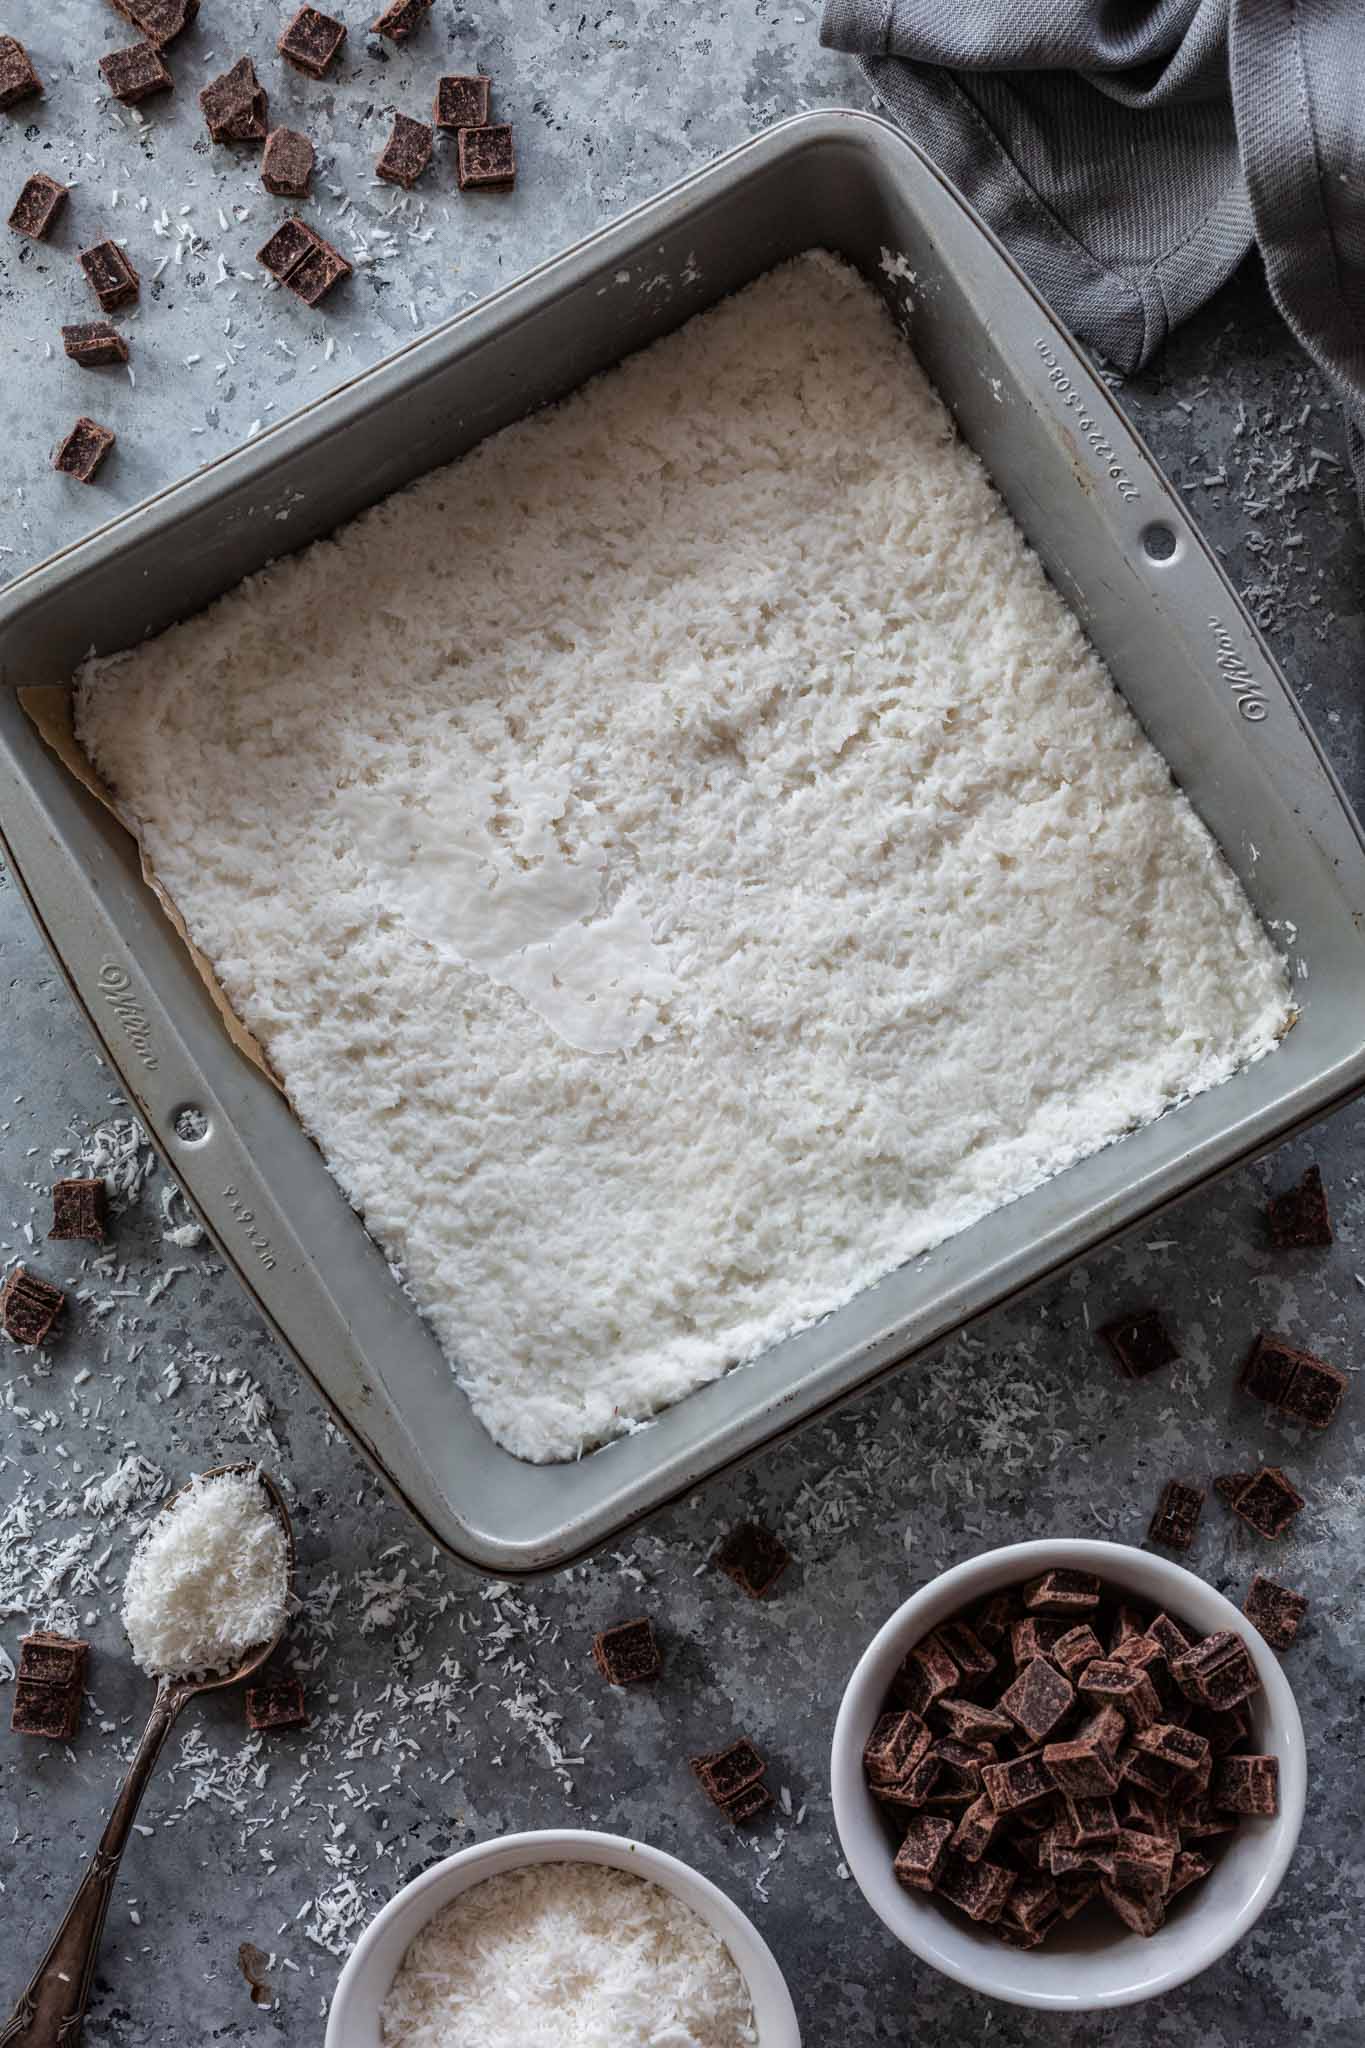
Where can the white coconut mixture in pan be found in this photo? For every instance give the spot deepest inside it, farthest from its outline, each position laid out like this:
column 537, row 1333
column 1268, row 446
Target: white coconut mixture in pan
column 684, row 860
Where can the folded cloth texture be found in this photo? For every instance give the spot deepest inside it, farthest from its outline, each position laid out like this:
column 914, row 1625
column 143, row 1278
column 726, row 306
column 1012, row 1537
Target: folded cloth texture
column 1130, row 153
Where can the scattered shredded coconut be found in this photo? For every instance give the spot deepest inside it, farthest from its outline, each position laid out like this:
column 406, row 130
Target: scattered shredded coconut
column 209, row 1581
column 562, row 1954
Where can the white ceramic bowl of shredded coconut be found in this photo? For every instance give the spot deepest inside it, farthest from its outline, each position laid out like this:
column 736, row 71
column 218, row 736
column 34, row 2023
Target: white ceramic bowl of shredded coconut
column 367, row 1982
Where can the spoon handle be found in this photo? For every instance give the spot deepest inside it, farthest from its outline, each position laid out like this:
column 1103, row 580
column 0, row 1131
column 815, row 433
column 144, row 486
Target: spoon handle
column 50, row 2012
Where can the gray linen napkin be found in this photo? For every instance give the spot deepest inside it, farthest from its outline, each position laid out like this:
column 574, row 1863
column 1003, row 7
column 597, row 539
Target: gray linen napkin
column 1129, row 153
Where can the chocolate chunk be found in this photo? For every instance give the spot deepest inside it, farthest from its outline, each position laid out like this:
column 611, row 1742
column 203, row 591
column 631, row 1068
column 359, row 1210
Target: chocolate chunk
column 1218, row 1672
column 895, row 1746
column 915, row 1784
column 1140, row 1343
column 83, row 450
column 79, row 1206
column 1230, row 1486
column 920, row 1856
column 40, row 200
column 401, row 20
column 968, row 1722
column 29, row 1306
column 110, row 275
column 1017, row 1782
column 407, row 152
column 1268, row 1502
column 1064, row 1859
column 276, row 1705
column 1077, row 1648
column 1172, row 1638
column 992, row 1621
column 93, row 344
column 1143, row 1860
column 627, row 1653
column 1075, row 1894
column 485, row 157
column 18, row 79
column 44, row 1709
column 1037, row 1636
column 977, row 1889
column 1165, row 1757
column 1275, row 1611
column 748, row 1804
column 1032, row 1907
column 1145, row 1812
column 320, row 269
column 1141, row 1908
column 1081, row 1767
column 1188, row 1868
column 925, row 1676
column 235, row 105
column 1063, row 1592
column 1177, row 1515
column 311, row 41
column 1090, row 1817
column 1299, row 1217
column 727, row 1773
column 753, row 1557
column 1200, row 1819
column 974, row 1661
column 53, row 1659
column 302, row 260
column 1111, row 1682
column 1038, row 1699
column 160, row 21
column 135, row 73
column 1299, row 1384
column 287, row 163
column 461, row 102
column 1127, row 1622
column 976, row 1829
column 959, row 1776
column 1224, row 1729
column 1247, row 1784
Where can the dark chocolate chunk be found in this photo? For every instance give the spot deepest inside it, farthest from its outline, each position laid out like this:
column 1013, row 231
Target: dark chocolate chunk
column 1268, row 1502
column 1038, row 1699
column 279, row 1704
column 1299, row 1384
column 895, row 1746
column 302, row 260
column 287, row 163
column 627, row 1653
column 311, row 41
column 485, row 157
column 83, row 450
column 1077, row 1648
column 1141, row 1908
column 1247, row 1784
column 1143, row 1860
column 915, row 1784
column 320, row 269
column 1299, row 1217
column 53, row 1659
column 1127, row 1622
column 461, row 102
column 992, row 1621
column 1082, row 1767
column 1063, row 1592
column 93, row 344
column 1200, row 1819
column 1037, row 1635
column 1218, row 1672
column 1090, row 1816
column 748, row 1804
column 1225, row 1728
column 401, row 19
column 40, row 200
column 160, row 21
column 754, row 1559
column 292, row 240
column 977, row 1889
column 1188, row 1868
column 1275, row 1611
column 977, row 1725
column 727, row 1773
column 135, row 73
column 79, row 1206
column 959, row 1777
column 235, row 105
column 1109, row 1681
column 973, row 1660
column 920, row 1856
column 977, row 1828
column 1169, row 1634
column 406, row 154
column 1165, row 1758
column 1063, row 1858
column 1230, row 1486
column 1031, row 1908
column 1140, row 1343
column 1177, row 1515
column 1017, row 1782
column 110, row 275
column 1075, row 1893
column 41, row 1708
column 925, row 1676
column 29, row 1305
column 18, row 79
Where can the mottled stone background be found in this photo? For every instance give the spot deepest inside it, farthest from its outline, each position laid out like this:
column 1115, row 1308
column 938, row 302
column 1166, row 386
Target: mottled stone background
column 443, row 1709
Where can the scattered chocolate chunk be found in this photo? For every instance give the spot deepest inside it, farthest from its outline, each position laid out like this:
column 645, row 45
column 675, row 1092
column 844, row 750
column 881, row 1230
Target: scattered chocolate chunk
column 160, row 21
column 627, row 1653
column 110, row 275
column 79, row 1206
column 44, row 1709
column 235, row 105
column 1299, row 1217
column 485, row 157
column 1038, row 1699
column 287, row 163
column 1140, row 1343
column 302, row 260
column 1230, row 1486
column 406, row 154
column 136, row 73
column 1062, row 1592
column 276, row 1705
column 920, row 1856
column 753, row 1557
column 40, row 201
column 1110, row 1681
column 896, row 1744
column 1247, row 1784
column 925, row 1676
column 311, row 41
column 292, row 240
column 1177, row 1515
column 977, row 1889
column 18, row 79
column 29, row 1306
column 1275, row 1611
column 748, row 1804
column 83, row 450
column 320, row 269
column 53, row 1659
column 461, row 102
column 1301, row 1386
column 1218, row 1672
column 401, row 20
column 1268, row 1502
column 727, row 1773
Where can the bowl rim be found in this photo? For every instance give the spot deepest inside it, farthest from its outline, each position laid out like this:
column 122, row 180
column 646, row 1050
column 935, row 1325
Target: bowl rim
column 773, row 2009
column 1174, row 1586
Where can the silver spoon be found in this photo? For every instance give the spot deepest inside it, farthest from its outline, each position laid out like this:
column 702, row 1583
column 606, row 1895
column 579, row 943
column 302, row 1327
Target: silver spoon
column 51, row 2011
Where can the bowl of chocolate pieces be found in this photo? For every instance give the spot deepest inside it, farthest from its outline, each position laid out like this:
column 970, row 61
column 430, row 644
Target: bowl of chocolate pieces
column 1068, row 1774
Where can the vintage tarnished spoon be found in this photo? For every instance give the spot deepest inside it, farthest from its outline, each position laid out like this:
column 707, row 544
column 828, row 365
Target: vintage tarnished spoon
column 50, row 2012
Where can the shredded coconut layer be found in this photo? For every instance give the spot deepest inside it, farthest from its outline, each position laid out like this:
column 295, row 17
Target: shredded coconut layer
column 684, row 860
column 209, row 1580
column 561, row 1954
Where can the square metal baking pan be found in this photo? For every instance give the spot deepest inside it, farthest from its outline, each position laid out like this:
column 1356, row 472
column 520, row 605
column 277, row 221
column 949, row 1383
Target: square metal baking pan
column 1090, row 499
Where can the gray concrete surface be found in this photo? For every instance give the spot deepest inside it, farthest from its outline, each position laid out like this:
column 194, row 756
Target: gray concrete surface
column 443, row 1709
